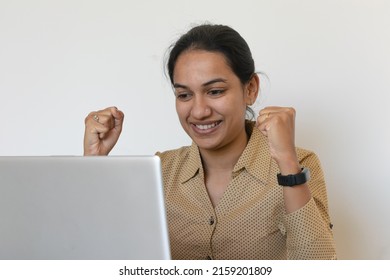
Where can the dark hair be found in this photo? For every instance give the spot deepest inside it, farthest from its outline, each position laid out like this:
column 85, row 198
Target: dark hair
column 216, row 38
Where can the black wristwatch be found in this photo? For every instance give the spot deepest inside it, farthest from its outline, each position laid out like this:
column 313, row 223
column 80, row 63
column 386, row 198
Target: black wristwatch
column 294, row 179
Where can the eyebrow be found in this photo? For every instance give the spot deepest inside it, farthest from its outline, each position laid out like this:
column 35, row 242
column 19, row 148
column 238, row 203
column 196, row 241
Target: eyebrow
column 217, row 80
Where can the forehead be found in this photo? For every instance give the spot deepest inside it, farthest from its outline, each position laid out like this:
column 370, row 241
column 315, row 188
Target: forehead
column 201, row 64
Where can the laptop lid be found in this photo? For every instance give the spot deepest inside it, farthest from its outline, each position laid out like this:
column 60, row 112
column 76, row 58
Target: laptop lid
column 82, row 208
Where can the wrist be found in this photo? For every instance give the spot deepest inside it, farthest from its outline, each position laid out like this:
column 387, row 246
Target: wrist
column 289, row 165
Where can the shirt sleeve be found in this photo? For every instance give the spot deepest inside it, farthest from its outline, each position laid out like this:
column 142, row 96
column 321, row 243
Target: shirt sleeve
column 308, row 235
column 308, row 230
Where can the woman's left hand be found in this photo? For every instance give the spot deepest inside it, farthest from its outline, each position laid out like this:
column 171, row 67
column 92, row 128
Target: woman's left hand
column 278, row 124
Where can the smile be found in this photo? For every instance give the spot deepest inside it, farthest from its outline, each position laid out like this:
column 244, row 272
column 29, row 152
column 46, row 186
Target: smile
column 207, row 126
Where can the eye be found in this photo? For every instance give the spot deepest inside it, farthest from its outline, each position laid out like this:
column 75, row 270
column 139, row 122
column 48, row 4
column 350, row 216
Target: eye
column 216, row 92
column 183, row 96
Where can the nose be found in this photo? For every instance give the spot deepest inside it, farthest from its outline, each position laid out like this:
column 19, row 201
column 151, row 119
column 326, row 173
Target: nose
column 200, row 108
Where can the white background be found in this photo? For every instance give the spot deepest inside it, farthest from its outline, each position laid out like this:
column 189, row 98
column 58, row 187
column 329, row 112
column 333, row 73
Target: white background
column 330, row 60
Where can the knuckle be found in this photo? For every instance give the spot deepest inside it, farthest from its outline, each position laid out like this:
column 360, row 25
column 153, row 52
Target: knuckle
column 86, row 120
column 291, row 110
column 89, row 117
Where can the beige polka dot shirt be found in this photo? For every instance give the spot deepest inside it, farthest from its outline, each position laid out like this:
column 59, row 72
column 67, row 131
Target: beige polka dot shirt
column 249, row 221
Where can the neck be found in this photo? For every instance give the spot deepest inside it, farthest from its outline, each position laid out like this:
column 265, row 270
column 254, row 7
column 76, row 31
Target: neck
column 225, row 158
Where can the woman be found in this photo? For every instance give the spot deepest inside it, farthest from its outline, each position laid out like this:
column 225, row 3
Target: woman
column 242, row 189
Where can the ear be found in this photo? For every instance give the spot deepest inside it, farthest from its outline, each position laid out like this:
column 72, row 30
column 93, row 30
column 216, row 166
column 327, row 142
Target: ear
column 252, row 89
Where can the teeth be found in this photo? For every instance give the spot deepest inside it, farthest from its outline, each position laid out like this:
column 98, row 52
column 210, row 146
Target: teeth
column 206, row 126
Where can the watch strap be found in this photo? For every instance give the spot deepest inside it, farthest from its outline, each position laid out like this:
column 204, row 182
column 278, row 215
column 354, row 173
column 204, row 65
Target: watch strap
column 294, row 179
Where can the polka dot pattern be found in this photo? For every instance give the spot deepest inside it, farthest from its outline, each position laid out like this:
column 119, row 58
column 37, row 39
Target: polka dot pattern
column 249, row 222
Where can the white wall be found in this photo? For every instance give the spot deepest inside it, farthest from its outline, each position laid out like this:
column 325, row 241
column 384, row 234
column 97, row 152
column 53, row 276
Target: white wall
column 329, row 59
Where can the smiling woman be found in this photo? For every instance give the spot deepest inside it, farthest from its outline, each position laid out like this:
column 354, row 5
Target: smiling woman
column 242, row 190
column 214, row 104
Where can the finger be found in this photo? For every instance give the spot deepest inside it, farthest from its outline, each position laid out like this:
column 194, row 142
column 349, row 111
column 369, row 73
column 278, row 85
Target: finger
column 103, row 117
column 115, row 112
column 112, row 117
column 268, row 113
column 264, row 115
column 99, row 129
column 106, row 120
column 118, row 117
column 97, row 122
column 263, row 124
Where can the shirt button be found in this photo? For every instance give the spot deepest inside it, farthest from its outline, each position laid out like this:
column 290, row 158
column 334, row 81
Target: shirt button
column 211, row 221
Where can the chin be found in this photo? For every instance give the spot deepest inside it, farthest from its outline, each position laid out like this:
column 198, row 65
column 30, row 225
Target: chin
column 206, row 145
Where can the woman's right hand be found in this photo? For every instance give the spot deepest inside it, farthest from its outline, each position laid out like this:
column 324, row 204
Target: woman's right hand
column 102, row 130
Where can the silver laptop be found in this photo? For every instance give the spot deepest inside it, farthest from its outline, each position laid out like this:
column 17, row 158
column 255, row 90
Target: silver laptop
column 82, row 208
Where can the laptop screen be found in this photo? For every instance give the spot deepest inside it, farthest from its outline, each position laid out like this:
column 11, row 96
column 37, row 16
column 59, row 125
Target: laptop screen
column 82, row 208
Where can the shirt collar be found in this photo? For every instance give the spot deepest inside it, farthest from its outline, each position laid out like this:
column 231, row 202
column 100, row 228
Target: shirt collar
column 256, row 158
column 192, row 165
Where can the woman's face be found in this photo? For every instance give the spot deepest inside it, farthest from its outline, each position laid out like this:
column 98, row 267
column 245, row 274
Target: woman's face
column 211, row 100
